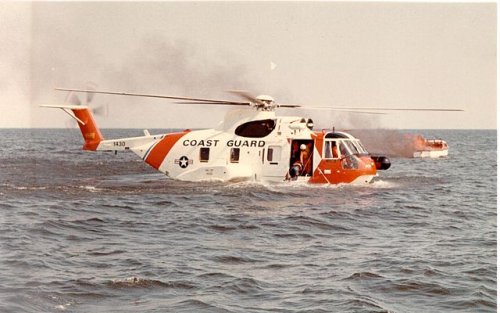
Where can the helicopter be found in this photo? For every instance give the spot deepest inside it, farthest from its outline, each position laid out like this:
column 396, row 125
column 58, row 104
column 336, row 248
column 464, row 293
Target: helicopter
column 252, row 143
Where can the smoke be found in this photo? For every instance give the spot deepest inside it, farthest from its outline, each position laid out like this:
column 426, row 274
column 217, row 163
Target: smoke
column 156, row 66
column 159, row 64
column 326, row 119
column 389, row 142
column 172, row 67
column 65, row 54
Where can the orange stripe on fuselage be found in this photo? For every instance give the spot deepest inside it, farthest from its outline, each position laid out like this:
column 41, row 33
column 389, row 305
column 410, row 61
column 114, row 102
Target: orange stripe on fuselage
column 318, row 138
column 162, row 148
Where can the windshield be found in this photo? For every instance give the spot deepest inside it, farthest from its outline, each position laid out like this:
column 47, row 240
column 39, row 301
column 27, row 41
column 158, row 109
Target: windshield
column 344, row 151
column 338, row 148
column 360, row 146
column 352, row 147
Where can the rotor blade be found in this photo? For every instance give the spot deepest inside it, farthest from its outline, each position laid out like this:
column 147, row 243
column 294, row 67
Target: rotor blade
column 289, row 106
column 295, row 106
column 246, row 95
column 394, row 109
column 362, row 112
column 215, row 103
column 243, row 94
column 340, row 110
column 148, row 95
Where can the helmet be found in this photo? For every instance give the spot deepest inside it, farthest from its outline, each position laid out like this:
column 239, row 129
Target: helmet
column 302, row 147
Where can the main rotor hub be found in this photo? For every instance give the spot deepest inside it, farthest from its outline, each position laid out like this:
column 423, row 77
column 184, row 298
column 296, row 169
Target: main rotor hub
column 265, row 98
column 265, row 102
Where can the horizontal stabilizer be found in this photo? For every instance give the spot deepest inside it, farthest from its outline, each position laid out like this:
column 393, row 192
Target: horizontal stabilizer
column 64, row 106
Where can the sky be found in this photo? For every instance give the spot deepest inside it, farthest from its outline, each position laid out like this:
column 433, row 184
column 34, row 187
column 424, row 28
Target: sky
column 335, row 54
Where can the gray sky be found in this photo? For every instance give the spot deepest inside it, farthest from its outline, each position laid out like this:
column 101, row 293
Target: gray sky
column 386, row 54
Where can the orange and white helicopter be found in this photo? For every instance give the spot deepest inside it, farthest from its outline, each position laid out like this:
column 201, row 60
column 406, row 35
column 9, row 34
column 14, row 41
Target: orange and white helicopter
column 251, row 143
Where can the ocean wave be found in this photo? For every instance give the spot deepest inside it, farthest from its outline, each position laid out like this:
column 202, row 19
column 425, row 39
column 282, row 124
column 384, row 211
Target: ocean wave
column 137, row 282
column 244, row 285
column 234, row 259
column 90, row 188
column 364, row 276
column 416, row 287
column 196, row 305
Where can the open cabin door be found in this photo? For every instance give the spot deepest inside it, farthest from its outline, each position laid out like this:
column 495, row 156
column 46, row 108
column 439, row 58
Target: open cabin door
column 301, row 158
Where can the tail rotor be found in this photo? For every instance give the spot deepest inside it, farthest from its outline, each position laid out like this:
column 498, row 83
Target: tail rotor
column 73, row 99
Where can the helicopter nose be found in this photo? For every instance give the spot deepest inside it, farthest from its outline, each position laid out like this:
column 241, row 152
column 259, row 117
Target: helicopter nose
column 381, row 162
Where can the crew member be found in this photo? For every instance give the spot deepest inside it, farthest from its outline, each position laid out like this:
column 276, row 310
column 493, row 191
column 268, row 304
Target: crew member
column 305, row 158
column 298, row 165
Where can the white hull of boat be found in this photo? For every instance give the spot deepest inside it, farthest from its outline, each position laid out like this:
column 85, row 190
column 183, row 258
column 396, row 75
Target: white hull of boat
column 430, row 154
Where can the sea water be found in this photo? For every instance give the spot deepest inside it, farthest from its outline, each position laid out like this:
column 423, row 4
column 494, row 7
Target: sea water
column 97, row 232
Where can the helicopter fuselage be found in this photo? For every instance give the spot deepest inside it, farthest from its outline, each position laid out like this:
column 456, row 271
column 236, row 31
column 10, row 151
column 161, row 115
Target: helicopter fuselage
column 256, row 147
column 248, row 144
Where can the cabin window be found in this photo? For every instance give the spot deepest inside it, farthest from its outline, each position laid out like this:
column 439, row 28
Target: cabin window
column 256, row 129
column 204, row 154
column 235, row 155
column 273, row 153
column 270, row 154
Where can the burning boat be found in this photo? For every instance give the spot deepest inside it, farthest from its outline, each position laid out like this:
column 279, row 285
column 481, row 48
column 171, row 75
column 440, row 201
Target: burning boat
column 429, row 148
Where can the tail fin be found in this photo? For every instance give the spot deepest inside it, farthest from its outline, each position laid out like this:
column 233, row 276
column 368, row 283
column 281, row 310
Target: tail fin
column 82, row 114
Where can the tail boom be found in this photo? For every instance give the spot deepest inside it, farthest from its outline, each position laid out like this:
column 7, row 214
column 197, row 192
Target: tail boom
column 90, row 132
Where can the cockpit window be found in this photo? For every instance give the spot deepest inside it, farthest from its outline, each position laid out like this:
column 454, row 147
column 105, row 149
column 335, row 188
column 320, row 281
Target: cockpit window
column 328, row 149
column 352, row 147
column 360, row 147
column 331, row 150
column 344, row 151
column 256, row 129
